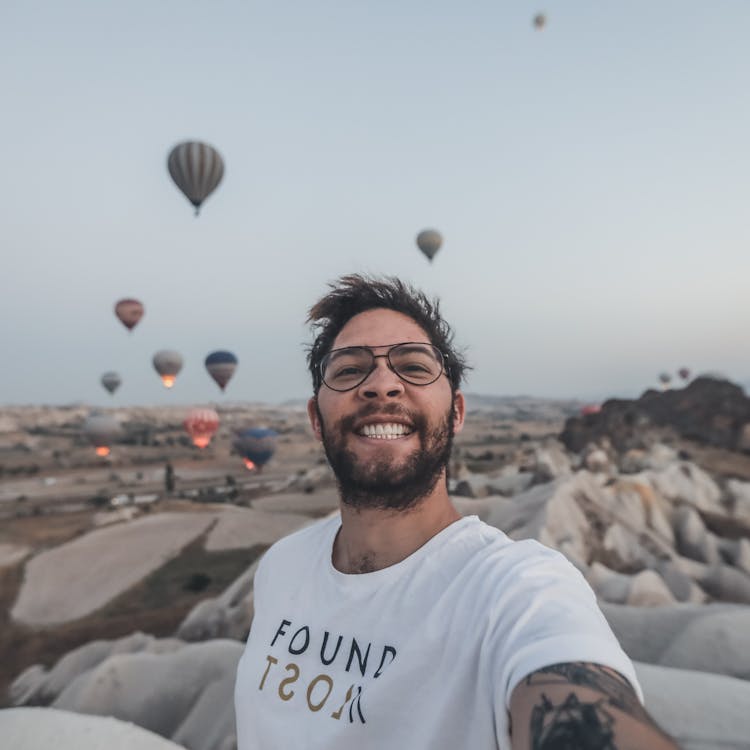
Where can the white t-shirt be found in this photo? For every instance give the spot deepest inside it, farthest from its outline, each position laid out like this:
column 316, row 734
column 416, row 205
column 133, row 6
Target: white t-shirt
column 420, row 655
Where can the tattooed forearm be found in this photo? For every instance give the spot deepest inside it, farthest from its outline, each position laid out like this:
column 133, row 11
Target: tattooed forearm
column 571, row 725
column 616, row 688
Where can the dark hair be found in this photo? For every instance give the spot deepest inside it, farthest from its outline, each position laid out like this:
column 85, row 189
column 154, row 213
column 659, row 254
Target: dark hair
column 354, row 294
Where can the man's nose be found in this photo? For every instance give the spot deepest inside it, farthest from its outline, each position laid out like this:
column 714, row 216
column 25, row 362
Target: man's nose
column 382, row 382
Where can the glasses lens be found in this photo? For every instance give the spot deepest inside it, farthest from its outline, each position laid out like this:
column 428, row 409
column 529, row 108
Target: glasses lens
column 419, row 364
column 344, row 369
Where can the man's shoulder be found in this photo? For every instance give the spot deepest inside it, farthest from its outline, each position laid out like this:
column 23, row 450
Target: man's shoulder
column 491, row 542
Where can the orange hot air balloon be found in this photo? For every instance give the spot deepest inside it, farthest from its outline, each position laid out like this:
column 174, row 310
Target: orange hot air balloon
column 201, row 425
column 129, row 311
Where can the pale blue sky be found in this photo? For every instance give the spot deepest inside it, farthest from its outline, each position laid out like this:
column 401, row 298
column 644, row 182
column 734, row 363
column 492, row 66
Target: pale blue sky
column 591, row 181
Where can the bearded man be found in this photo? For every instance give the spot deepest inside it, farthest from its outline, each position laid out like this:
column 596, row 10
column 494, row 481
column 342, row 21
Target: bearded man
column 398, row 623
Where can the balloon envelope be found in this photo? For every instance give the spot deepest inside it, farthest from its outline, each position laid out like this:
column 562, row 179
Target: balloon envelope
column 540, row 20
column 111, row 381
column 590, row 409
column 429, row 242
column 201, row 425
column 256, row 445
column 101, row 430
column 665, row 378
column 684, row 373
column 221, row 366
column 129, row 311
column 196, row 169
column 167, row 363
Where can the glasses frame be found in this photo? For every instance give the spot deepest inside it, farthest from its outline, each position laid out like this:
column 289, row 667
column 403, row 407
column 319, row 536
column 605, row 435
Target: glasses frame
column 387, row 357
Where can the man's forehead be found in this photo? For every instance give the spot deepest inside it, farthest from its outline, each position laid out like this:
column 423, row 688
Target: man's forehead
column 379, row 327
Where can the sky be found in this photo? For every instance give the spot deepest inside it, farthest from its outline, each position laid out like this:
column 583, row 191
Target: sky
column 590, row 181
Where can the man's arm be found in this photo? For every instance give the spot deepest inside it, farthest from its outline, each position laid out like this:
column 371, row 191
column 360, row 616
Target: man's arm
column 581, row 705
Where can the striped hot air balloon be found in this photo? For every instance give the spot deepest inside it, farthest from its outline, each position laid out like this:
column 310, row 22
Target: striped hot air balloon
column 196, row 169
column 221, row 366
column 256, row 445
column 201, row 424
column 129, row 311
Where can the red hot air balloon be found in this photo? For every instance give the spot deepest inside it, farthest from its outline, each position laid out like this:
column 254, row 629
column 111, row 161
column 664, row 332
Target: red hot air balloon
column 590, row 409
column 129, row 311
column 201, row 425
column 684, row 373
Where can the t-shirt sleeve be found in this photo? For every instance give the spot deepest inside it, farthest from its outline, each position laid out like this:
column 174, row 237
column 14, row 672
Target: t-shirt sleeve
column 547, row 614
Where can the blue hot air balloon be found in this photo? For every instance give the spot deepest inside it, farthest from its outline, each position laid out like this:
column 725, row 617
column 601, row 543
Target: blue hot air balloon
column 221, row 366
column 256, row 445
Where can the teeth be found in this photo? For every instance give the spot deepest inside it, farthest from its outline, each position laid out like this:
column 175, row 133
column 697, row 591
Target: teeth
column 387, row 431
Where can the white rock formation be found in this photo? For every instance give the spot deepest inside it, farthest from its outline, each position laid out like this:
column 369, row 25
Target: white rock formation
column 35, row 728
column 185, row 695
column 707, row 638
column 36, row 685
column 227, row 616
column 700, row 711
column 248, row 527
column 81, row 576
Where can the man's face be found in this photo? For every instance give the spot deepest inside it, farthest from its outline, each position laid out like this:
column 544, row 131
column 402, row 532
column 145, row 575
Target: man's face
column 387, row 441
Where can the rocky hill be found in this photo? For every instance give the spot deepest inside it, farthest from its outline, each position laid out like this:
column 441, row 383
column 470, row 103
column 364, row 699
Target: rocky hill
column 708, row 411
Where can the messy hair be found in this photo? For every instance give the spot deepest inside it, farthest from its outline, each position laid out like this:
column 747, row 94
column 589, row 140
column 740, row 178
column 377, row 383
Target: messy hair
column 354, row 294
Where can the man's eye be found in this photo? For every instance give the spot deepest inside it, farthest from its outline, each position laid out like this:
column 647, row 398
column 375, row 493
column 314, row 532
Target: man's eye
column 348, row 371
column 415, row 367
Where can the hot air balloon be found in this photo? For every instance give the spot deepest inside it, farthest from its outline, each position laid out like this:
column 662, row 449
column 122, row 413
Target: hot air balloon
column 540, row 21
column 684, row 373
column 590, row 409
column 429, row 242
column 129, row 311
column 167, row 363
column 101, row 430
column 665, row 379
column 201, row 424
column 256, row 445
column 196, row 169
column 111, row 381
column 221, row 366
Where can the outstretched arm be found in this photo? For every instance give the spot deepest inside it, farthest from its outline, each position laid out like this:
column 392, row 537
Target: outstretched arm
column 581, row 705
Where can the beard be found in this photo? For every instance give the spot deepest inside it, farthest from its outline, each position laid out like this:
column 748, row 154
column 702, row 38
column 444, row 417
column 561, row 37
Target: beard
column 384, row 483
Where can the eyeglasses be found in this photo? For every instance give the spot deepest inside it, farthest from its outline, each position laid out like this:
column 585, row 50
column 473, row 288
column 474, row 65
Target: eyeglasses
column 415, row 363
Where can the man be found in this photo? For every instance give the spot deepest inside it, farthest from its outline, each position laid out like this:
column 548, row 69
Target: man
column 401, row 624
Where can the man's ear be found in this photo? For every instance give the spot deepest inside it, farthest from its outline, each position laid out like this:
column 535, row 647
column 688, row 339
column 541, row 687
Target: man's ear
column 459, row 412
column 312, row 413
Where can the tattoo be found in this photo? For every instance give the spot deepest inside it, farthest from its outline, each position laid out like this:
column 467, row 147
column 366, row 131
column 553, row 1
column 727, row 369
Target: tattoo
column 617, row 690
column 572, row 725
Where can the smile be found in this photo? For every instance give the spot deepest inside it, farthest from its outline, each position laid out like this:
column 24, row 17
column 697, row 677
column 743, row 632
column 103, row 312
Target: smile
column 385, row 431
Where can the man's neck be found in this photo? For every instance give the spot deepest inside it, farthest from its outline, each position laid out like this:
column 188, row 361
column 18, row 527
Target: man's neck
column 373, row 539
